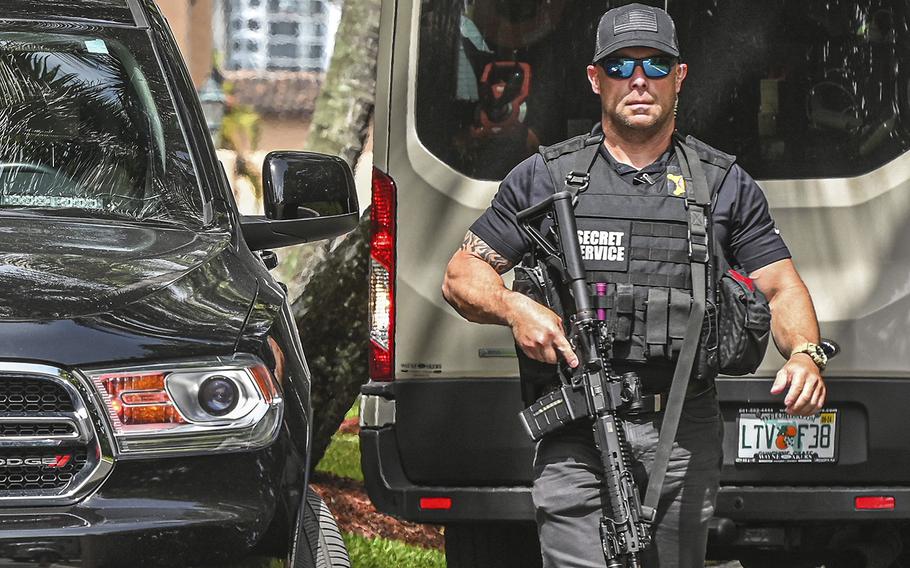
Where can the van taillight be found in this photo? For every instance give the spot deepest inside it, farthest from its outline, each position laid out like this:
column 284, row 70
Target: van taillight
column 382, row 278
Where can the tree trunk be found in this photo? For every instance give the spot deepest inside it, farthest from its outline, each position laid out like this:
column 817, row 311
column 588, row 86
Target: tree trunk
column 344, row 106
column 331, row 311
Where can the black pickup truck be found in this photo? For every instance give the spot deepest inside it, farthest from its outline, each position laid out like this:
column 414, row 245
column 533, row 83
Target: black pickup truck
column 154, row 396
column 812, row 98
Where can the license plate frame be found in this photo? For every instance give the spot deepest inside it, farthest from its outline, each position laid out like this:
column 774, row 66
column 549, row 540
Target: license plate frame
column 766, row 435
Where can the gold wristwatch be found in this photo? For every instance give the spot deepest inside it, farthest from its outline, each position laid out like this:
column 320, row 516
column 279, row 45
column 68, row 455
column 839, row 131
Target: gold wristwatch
column 814, row 351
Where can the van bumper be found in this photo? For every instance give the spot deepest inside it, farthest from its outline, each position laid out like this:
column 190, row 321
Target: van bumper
column 394, row 494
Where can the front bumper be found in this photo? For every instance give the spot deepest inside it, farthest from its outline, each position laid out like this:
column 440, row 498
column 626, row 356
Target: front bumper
column 162, row 512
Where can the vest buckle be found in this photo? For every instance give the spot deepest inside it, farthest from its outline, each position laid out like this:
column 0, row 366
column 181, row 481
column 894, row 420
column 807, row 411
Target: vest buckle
column 578, row 182
column 698, row 248
column 698, row 235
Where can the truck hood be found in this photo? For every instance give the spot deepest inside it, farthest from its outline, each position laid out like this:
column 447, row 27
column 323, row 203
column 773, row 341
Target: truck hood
column 54, row 270
column 81, row 294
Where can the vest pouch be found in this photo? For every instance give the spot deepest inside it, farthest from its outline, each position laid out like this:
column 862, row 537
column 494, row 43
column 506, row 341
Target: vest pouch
column 744, row 324
column 536, row 376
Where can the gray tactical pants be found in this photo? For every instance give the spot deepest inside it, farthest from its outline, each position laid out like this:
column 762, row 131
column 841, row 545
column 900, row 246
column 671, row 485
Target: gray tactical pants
column 567, row 488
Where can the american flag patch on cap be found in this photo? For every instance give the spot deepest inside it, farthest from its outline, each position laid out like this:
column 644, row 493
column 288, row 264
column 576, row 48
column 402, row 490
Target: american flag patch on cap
column 635, row 20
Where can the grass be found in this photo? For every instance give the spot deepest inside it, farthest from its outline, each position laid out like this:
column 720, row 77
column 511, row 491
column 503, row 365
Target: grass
column 382, row 553
column 342, row 457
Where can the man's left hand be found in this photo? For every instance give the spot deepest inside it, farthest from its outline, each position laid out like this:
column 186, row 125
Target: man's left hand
column 807, row 388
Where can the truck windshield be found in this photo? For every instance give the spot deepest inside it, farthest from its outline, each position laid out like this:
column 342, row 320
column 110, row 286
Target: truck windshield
column 794, row 88
column 88, row 129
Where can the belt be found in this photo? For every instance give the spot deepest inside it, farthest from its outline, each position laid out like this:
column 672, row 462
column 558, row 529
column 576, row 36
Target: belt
column 656, row 402
column 651, row 403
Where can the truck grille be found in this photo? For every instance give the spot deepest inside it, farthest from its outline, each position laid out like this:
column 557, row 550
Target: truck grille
column 31, row 394
column 36, row 470
column 21, row 429
column 50, row 451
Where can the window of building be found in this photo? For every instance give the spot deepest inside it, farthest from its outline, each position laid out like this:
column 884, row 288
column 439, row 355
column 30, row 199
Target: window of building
column 316, row 51
column 253, row 25
column 288, row 6
column 288, row 50
column 275, row 66
column 284, row 28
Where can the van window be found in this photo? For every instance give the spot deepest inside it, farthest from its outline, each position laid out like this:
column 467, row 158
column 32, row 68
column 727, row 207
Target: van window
column 794, row 88
column 88, row 129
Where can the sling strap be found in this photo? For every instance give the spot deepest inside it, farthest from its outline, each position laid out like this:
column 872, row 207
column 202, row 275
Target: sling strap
column 698, row 205
column 577, row 180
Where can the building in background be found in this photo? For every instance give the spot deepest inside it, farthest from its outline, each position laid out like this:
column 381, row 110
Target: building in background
column 191, row 21
column 279, row 35
column 283, row 102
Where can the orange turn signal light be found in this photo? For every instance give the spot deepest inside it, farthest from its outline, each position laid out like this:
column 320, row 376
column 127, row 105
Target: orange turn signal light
column 264, row 381
column 140, row 398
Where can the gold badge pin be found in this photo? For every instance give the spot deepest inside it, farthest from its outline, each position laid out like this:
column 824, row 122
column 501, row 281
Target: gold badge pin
column 679, row 184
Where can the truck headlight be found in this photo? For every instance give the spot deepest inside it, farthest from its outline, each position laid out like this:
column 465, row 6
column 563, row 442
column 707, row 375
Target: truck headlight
column 218, row 395
column 204, row 406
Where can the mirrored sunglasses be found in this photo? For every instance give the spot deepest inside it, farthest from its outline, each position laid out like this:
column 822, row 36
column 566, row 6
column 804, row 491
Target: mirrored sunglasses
column 623, row 67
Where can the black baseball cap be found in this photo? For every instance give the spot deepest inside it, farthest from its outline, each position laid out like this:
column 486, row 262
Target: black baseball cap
column 635, row 25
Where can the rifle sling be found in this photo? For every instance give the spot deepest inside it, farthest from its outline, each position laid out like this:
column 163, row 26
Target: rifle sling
column 699, row 205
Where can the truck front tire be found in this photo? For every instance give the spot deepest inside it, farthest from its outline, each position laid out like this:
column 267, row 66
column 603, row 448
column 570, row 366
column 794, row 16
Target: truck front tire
column 317, row 539
column 492, row 545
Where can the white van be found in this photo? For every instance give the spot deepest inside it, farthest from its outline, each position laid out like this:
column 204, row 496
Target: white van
column 812, row 97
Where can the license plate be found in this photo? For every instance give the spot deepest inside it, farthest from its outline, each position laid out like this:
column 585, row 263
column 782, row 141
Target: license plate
column 769, row 435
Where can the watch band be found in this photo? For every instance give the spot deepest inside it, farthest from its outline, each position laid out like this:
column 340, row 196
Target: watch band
column 814, row 351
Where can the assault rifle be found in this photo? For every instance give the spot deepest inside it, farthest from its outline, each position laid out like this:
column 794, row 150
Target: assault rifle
column 591, row 389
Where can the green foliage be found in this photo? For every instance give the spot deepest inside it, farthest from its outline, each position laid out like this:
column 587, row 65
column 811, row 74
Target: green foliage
column 354, row 412
column 382, row 553
column 342, row 458
column 241, row 129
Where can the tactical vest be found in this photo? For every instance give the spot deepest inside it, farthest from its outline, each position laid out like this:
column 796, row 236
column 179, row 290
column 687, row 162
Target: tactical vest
column 635, row 246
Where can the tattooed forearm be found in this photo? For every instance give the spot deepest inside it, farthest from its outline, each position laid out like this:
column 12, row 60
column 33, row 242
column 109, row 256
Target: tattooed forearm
column 475, row 245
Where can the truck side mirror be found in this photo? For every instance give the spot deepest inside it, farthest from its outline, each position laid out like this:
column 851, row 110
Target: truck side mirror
column 308, row 196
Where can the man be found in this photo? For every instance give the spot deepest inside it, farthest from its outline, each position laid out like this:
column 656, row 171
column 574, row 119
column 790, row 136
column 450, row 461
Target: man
column 637, row 75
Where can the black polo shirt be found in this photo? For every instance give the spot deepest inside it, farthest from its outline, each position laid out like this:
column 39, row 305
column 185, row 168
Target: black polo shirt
column 742, row 222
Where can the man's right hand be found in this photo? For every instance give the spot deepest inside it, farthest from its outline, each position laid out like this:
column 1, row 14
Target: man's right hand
column 538, row 331
column 473, row 286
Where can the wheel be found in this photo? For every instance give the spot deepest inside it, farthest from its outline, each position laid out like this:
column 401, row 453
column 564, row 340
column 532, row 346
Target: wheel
column 317, row 542
column 492, row 545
